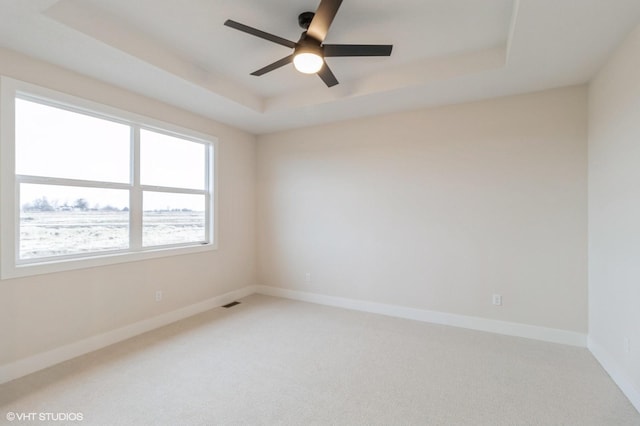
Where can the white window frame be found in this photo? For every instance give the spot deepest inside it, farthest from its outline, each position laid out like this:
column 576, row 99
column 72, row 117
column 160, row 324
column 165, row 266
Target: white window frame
column 10, row 264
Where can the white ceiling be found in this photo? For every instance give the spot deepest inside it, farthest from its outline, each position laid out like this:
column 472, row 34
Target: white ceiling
column 445, row 51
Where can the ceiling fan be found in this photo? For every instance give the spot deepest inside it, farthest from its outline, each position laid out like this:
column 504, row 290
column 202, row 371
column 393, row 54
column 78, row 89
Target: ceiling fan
column 309, row 52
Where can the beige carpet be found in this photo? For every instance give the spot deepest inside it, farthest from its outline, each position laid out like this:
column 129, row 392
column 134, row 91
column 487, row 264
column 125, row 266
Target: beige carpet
column 274, row 361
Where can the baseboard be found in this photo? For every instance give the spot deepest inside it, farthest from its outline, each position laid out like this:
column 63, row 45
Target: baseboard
column 615, row 372
column 47, row 359
column 55, row 356
column 474, row 323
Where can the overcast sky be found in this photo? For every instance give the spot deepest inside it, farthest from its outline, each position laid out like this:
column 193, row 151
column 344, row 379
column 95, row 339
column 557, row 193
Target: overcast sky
column 52, row 142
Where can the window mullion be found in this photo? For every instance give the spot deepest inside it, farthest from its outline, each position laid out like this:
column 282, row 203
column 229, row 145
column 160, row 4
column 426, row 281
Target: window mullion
column 151, row 188
column 135, row 201
column 41, row 180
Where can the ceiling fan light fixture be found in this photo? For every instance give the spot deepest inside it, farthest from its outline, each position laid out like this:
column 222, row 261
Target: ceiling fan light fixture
column 309, row 52
column 308, row 62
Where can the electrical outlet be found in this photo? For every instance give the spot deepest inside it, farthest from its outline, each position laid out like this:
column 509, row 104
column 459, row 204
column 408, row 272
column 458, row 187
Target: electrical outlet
column 497, row 299
column 627, row 345
column 307, row 277
column 158, row 295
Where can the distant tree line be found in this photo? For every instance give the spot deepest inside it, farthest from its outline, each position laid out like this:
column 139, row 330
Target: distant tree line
column 42, row 204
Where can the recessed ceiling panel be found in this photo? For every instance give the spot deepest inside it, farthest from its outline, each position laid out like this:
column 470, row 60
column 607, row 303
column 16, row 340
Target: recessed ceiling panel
column 194, row 32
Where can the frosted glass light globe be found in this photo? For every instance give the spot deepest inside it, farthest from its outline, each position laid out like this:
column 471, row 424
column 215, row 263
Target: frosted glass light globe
column 308, row 63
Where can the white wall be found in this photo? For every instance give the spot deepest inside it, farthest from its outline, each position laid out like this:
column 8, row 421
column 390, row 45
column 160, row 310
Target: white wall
column 44, row 312
column 436, row 209
column 614, row 216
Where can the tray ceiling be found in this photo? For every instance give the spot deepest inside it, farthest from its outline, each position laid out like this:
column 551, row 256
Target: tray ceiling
column 445, row 51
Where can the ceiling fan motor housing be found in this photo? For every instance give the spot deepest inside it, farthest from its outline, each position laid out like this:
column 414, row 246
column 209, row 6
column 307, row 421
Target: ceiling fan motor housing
column 308, row 44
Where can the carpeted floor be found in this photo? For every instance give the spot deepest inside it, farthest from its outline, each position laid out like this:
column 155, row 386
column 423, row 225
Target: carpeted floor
column 274, row 361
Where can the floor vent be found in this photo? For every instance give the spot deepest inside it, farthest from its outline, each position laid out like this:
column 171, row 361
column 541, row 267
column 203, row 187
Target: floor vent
column 230, row 305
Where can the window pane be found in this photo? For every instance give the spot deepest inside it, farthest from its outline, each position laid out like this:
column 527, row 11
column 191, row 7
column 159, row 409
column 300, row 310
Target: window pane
column 62, row 220
column 54, row 142
column 173, row 219
column 171, row 161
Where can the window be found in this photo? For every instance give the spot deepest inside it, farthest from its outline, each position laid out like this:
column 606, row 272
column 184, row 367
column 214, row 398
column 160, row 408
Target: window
column 84, row 185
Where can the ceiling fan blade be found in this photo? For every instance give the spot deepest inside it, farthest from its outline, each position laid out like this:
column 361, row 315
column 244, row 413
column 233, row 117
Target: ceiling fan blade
column 277, row 64
column 357, row 50
column 327, row 76
column 323, row 18
column 258, row 33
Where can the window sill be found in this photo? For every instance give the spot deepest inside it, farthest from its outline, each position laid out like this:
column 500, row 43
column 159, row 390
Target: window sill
column 51, row 266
